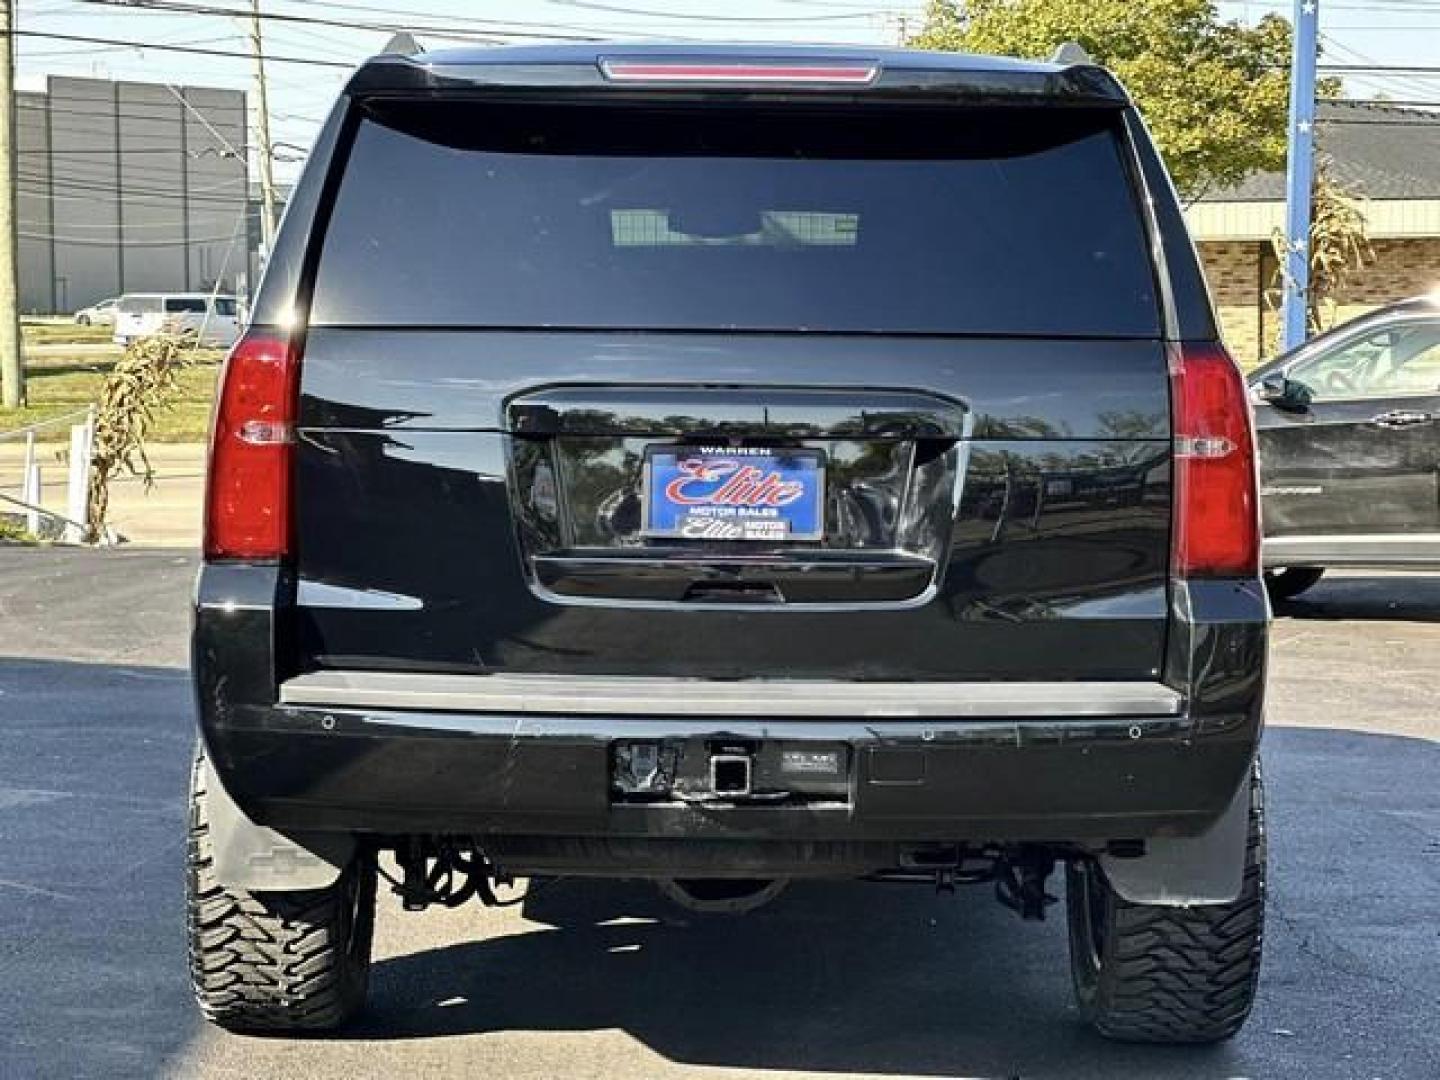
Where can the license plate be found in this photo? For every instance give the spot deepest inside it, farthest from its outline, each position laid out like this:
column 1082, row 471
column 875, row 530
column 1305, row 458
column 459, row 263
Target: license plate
column 749, row 493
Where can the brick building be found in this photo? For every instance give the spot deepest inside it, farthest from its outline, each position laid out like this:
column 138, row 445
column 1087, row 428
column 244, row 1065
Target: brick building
column 1388, row 155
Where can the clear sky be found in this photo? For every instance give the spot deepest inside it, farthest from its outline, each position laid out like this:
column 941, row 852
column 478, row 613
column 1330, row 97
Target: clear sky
column 1391, row 32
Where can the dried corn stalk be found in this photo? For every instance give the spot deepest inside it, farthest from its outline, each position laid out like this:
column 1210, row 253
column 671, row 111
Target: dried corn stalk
column 1339, row 247
column 144, row 381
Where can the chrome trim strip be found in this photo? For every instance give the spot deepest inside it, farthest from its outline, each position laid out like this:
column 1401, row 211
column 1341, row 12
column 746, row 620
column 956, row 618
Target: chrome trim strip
column 1353, row 549
column 623, row 696
column 319, row 594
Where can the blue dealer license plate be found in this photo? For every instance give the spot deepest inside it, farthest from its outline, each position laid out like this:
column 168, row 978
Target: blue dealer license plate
column 746, row 493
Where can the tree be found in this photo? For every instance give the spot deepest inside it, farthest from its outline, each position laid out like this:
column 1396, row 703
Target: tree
column 1214, row 93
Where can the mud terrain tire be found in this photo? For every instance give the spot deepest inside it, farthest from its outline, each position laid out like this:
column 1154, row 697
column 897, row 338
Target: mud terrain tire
column 1147, row 973
column 275, row 961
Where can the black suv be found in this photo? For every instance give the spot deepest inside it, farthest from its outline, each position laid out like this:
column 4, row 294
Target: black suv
column 725, row 466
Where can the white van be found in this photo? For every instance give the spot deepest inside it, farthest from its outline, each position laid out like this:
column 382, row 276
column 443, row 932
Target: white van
column 215, row 318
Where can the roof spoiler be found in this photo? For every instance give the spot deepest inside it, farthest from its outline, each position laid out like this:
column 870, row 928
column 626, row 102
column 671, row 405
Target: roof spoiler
column 392, row 75
column 1070, row 52
column 402, row 44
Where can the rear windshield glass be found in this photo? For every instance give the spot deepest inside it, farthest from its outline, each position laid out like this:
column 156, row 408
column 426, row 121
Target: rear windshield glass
column 225, row 306
column 185, row 303
column 967, row 221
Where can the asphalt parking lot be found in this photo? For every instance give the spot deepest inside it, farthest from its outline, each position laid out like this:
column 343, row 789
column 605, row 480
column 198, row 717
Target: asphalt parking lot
column 608, row 981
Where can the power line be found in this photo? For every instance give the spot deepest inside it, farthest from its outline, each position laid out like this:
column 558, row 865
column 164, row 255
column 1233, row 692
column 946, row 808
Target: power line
column 302, row 117
column 1407, row 7
column 111, row 228
column 1406, row 84
column 1396, row 69
column 205, row 123
column 111, row 242
column 494, row 31
column 235, row 186
column 181, row 8
column 130, row 197
column 192, row 50
column 78, row 159
column 195, row 50
column 202, row 71
column 414, row 21
column 60, row 54
column 1376, row 123
column 166, row 112
column 1397, row 103
column 148, row 181
column 308, row 39
column 618, row 9
column 74, row 161
column 1427, row 70
column 104, row 180
column 124, row 152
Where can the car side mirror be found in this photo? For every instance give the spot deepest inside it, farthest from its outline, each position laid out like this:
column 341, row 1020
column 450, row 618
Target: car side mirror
column 1285, row 394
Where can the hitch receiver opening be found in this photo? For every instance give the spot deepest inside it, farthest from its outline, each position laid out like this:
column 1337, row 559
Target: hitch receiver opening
column 730, row 774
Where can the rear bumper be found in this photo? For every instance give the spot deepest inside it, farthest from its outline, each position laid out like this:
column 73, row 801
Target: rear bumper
column 404, row 755
column 318, row 769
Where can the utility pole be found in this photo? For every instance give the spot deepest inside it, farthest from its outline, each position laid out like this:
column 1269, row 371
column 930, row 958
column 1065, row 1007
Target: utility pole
column 12, row 363
column 1300, row 173
column 267, row 175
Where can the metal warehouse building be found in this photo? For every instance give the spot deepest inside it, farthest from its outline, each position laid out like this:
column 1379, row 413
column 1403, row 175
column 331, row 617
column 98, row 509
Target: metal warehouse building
column 130, row 187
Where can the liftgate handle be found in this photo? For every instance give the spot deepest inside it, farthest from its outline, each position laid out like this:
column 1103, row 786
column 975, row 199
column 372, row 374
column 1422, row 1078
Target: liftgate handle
column 1402, row 418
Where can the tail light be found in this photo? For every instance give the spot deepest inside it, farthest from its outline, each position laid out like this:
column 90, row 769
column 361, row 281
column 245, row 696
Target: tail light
column 247, row 503
column 1217, row 510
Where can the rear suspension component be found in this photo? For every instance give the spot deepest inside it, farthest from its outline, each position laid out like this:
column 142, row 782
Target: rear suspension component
column 446, row 873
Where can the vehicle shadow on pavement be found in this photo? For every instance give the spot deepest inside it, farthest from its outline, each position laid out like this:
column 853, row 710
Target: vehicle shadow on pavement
column 1391, row 597
column 93, row 767
column 894, row 980
column 889, row 980
column 881, row 979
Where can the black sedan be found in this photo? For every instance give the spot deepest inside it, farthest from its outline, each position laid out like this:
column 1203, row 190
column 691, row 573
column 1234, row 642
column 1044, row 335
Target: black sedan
column 1349, row 430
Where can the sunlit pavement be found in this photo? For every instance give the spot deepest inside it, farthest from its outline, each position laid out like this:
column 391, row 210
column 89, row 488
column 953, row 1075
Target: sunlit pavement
column 164, row 513
column 609, row 981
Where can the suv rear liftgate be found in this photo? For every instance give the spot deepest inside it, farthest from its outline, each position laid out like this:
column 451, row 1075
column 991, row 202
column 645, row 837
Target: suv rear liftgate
column 724, row 470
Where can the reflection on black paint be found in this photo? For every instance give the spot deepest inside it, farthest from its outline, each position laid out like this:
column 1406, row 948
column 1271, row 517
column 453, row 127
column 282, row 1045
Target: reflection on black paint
column 1058, row 546
column 1044, row 534
column 1012, row 388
